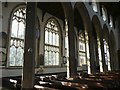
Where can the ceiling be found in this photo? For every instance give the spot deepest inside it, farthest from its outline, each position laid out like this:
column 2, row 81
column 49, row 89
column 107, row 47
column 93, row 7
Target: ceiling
column 54, row 8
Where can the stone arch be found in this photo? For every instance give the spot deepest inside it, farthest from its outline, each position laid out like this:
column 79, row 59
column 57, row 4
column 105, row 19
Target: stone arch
column 56, row 22
column 11, row 15
column 65, row 14
column 69, row 16
column 80, row 6
column 97, row 25
column 50, row 31
column 113, row 51
column 82, row 10
column 72, row 53
column 13, row 10
column 106, row 37
column 97, row 36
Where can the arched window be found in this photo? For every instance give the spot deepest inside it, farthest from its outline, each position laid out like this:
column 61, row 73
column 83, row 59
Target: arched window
column 111, row 21
column 100, row 55
column 83, row 51
column 52, row 41
column 107, row 55
column 17, row 34
column 94, row 6
column 104, row 13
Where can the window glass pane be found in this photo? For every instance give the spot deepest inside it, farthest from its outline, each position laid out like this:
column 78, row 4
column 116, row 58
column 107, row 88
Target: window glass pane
column 53, row 58
column 82, row 46
column 57, row 58
column 12, row 56
column 46, row 37
column 106, row 53
column 46, row 58
column 50, row 38
column 100, row 55
column 21, row 30
column 19, row 60
column 57, row 40
column 49, row 58
column 54, row 38
column 14, row 28
column 82, row 59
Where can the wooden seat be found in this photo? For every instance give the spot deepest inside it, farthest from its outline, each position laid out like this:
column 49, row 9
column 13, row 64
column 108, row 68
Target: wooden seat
column 100, row 81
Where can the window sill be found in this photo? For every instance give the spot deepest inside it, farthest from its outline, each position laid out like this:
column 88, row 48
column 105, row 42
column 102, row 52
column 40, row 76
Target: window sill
column 12, row 67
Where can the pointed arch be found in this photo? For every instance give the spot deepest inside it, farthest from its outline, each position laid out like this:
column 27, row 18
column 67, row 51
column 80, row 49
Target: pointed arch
column 106, row 42
column 97, row 25
column 80, row 6
column 16, row 36
column 69, row 16
column 52, row 42
column 98, row 41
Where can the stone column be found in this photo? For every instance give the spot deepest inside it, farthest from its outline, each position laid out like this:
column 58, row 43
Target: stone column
column 92, row 53
column 69, row 16
column 72, row 49
column 30, row 43
column 111, row 56
column 118, row 36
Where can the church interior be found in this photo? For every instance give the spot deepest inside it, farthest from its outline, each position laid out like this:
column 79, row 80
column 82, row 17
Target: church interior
column 60, row 45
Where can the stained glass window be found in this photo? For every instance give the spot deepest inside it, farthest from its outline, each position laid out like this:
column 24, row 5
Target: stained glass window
column 17, row 37
column 83, row 52
column 111, row 21
column 94, row 6
column 107, row 55
column 52, row 39
column 100, row 55
column 87, row 52
column 104, row 13
column 83, row 49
